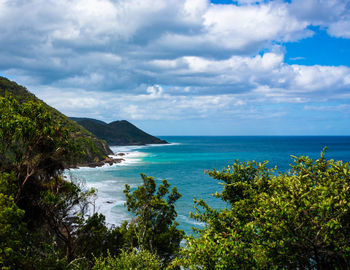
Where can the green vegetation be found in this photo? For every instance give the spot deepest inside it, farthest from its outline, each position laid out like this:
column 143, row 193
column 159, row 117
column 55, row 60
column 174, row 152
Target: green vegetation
column 42, row 215
column 294, row 220
column 45, row 222
column 118, row 132
column 90, row 148
column 299, row 219
column 11, row 227
column 133, row 260
column 154, row 228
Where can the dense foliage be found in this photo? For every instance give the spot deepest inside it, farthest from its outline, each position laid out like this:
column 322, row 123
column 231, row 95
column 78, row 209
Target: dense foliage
column 42, row 215
column 299, row 219
column 132, row 260
column 154, row 228
column 46, row 220
column 12, row 227
column 32, row 144
column 91, row 149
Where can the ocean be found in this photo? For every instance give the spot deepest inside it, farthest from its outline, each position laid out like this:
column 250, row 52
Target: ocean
column 184, row 160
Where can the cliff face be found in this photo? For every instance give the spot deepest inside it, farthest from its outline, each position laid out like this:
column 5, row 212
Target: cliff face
column 92, row 148
column 118, row 132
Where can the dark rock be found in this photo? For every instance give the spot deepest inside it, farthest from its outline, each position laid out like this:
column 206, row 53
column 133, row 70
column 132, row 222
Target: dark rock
column 107, row 160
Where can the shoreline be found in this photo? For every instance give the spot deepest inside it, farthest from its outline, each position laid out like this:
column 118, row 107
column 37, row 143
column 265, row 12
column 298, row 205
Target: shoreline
column 110, row 160
column 117, row 157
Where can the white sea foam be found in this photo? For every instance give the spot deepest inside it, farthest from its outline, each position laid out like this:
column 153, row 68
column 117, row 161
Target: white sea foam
column 110, row 199
column 130, row 148
column 128, row 159
column 126, row 149
column 131, row 155
column 104, row 167
column 161, row 145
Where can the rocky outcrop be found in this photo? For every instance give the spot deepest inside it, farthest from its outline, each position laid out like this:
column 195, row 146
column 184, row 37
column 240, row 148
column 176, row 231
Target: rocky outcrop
column 108, row 160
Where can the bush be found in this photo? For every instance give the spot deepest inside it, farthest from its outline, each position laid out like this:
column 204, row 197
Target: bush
column 132, row 260
column 299, row 219
column 154, row 228
column 12, row 230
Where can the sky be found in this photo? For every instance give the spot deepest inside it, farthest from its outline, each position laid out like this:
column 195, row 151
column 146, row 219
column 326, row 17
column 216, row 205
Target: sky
column 186, row 67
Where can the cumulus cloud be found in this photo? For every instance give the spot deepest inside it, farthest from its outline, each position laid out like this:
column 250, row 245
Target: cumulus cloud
column 175, row 59
column 333, row 15
column 266, row 80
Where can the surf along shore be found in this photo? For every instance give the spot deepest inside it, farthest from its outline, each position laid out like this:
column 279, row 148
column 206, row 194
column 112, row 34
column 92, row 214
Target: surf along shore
column 110, row 160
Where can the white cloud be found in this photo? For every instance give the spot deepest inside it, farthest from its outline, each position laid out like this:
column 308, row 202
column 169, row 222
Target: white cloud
column 155, row 90
column 268, row 70
column 340, row 29
column 156, row 59
column 334, row 15
column 268, row 79
column 242, row 26
column 195, row 9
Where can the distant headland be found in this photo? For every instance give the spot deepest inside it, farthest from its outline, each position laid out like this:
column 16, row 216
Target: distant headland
column 118, row 132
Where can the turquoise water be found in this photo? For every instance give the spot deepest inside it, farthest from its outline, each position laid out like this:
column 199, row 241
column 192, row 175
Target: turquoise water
column 184, row 161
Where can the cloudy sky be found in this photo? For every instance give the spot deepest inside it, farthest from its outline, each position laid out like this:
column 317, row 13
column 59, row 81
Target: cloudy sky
column 186, row 67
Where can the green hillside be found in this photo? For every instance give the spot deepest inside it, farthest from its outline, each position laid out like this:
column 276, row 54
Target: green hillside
column 118, row 132
column 92, row 148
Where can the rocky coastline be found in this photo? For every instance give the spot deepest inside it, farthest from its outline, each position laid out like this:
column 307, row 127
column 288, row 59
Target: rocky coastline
column 108, row 160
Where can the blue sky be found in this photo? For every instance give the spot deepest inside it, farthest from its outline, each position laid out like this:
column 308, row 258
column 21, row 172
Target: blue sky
column 319, row 49
column 186, row 67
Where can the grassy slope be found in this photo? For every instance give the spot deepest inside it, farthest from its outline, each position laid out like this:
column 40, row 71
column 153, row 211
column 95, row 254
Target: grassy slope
column 93, row 149
column 118, row 132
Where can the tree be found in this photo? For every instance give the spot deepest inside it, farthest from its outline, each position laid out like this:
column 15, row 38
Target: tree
column 35, row 149
column 299, row 219
column 32, row 144
column 65, row 206
column 12, row 227
column 154, row 228
column 133, row 260
column 95, row 239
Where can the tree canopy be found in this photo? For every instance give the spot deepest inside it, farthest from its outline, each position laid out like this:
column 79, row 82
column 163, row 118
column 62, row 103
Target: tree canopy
column 154, row 228
column 43, row 215
column 91, row 149
column 299, row 219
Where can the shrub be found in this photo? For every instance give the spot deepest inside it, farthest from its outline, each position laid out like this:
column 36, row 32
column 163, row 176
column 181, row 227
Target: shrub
column 133, row 260
column 299, row 219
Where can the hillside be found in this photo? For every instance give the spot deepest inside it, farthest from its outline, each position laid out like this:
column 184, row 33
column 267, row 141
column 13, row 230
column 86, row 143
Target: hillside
column 118, row 132
column 93, row 149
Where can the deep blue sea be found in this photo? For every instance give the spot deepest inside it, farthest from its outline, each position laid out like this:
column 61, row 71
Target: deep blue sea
column 184, row 160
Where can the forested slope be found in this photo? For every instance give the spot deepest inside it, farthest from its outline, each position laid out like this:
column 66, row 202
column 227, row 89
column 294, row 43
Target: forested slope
column 91, row 148
column 118, row 132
